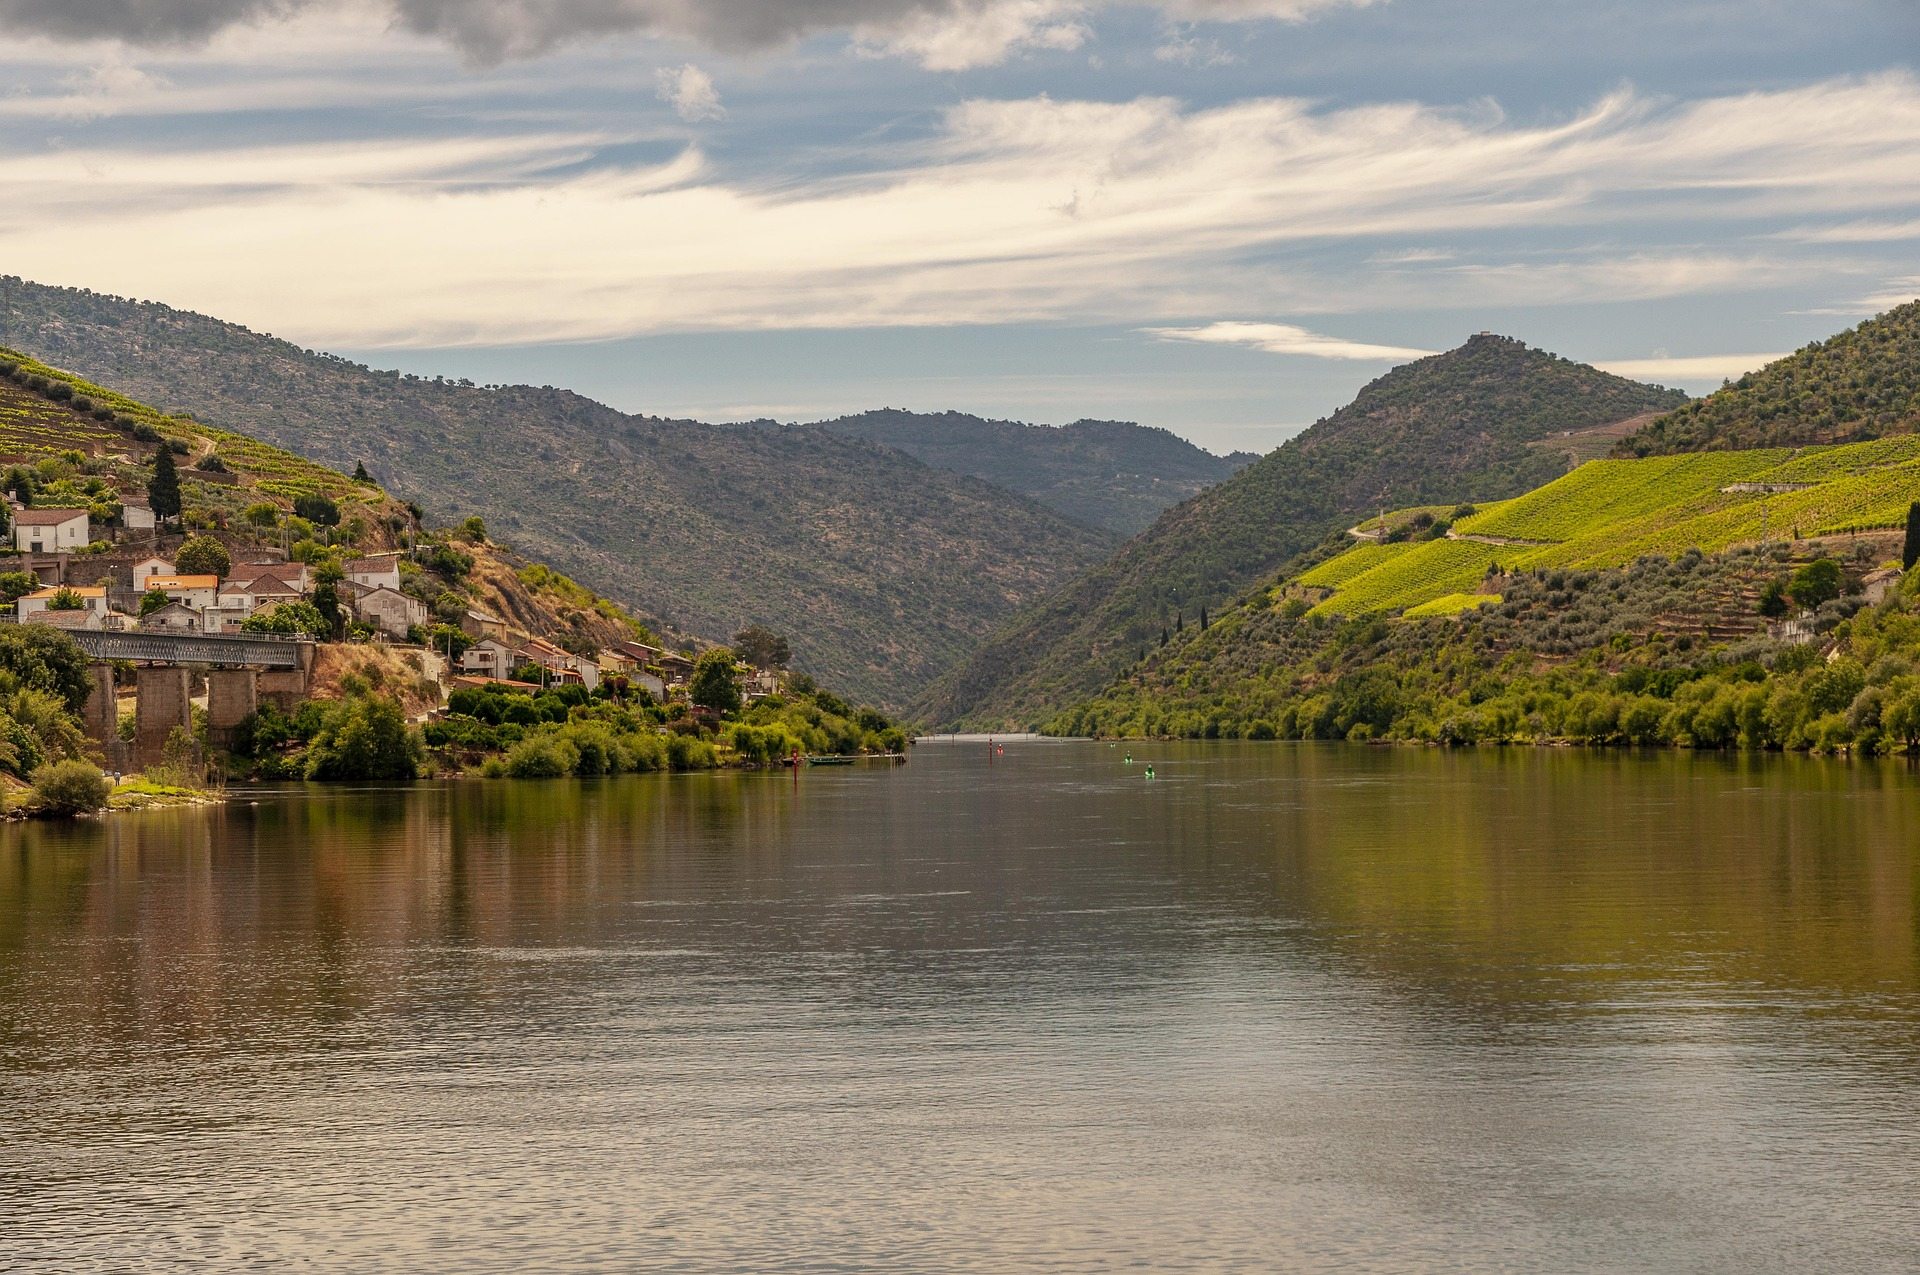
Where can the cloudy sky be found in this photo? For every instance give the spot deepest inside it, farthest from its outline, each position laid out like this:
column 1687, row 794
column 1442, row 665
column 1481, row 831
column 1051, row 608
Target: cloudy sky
column 1221, row 216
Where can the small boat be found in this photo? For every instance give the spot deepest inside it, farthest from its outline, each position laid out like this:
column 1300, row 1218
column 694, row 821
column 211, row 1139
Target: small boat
column 830, row 759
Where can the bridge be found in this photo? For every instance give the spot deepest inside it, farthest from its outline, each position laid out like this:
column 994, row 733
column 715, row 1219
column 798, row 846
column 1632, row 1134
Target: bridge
column 212, row 650
column 239, row 668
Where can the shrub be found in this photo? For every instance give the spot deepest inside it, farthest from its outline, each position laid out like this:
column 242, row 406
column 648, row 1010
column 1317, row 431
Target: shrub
column 70, row 787
column 545, row 756
column 684, row 752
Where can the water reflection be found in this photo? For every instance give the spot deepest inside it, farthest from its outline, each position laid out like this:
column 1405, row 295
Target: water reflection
column 1301, row 1006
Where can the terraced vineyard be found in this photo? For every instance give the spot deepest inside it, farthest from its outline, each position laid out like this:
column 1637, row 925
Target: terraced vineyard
column 34, row 423
column 1425, row 572
column 1610, row 513
column 1337, row 571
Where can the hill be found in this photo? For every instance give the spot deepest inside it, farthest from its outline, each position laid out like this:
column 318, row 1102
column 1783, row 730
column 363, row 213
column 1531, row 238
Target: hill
column 882, row 570
column 1476, row 423
column 1643, row 601
column 76, row 444
column 1610, row 513
column 1109, row 474
column 1862, row 384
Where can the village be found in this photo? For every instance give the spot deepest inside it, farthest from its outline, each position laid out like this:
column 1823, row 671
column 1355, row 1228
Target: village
column 84, row 577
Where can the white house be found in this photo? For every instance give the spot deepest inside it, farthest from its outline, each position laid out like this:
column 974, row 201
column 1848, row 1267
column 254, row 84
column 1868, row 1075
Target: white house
column 198, row 592
column 50, row 530
column 256, row 593
column 489, row 657
column 379, row 572
column 390, row 611
column 84, row 620
column 93, row 597
column 147, row 568
column 290, row 575
column 173, row 617
column 136, row 515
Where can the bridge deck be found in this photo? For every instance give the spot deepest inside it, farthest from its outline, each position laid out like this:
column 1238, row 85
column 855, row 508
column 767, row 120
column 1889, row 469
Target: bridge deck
column 225, row 650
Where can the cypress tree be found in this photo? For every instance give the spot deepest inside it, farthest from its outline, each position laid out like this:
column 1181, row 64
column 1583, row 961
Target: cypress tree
column 1910, row 554
column 360, row 474
column 163, row 490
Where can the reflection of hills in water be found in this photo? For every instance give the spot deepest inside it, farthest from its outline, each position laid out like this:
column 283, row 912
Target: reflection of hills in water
column 1534, row 881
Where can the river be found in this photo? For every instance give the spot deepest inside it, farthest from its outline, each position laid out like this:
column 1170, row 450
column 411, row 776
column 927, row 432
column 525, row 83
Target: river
column 1306, row 1008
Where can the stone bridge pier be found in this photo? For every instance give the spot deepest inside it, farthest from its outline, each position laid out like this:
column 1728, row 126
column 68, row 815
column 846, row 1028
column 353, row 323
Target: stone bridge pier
column 164, row 704
column 235, row 668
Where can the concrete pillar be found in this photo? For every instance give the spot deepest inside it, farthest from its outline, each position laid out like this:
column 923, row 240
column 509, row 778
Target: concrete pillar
column 165, row 703
column 102, row 716
column 232, row 696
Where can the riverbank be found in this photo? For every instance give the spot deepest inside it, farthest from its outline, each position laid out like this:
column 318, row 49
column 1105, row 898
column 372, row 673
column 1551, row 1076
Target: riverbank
column 20, row 801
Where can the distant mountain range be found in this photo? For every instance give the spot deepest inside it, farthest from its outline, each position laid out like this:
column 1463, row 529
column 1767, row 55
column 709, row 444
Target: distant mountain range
column 1109, row 474
column 1480, row 422
column 884, row 569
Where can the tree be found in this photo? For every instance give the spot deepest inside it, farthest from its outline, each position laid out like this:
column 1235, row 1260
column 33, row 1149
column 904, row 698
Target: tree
column 1773, row 599
column 360, row 474
column 65, row 599
column 364, row 738
column 288, row 618
column 762, row 647
column 474, row 530
column 317, row 509
column 202, row 556
column 714, row 683
column 163, row 489
column 1817, row 582
column 43, row 658
column 17, row 584
column 326, row 600
column 1910, row 552
column 262, row 514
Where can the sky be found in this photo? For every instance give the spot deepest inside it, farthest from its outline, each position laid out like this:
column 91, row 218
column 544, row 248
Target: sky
column 1218, row 216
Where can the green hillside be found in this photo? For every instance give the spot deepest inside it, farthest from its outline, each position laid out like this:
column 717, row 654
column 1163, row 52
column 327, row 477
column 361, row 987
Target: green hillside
column 883, row 571
column 1608, row 513
column 1457, row 426
column 47, row 413
column 1862, row 384
column 1110, row 474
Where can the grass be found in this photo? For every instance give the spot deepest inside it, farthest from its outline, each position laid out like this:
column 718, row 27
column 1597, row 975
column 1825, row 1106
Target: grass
column 1610, row 513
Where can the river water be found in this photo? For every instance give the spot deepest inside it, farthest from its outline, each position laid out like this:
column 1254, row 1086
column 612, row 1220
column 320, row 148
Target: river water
column 1281, row 1008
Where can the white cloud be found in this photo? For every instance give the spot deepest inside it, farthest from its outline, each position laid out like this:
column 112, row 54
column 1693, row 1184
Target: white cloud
column 973, row 35
column 1855, row 232
column 1186, row 49
column 690, row 92
column 1142, row 211
column 1284, row 338
column 1697, row 369
column 1896, row 292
